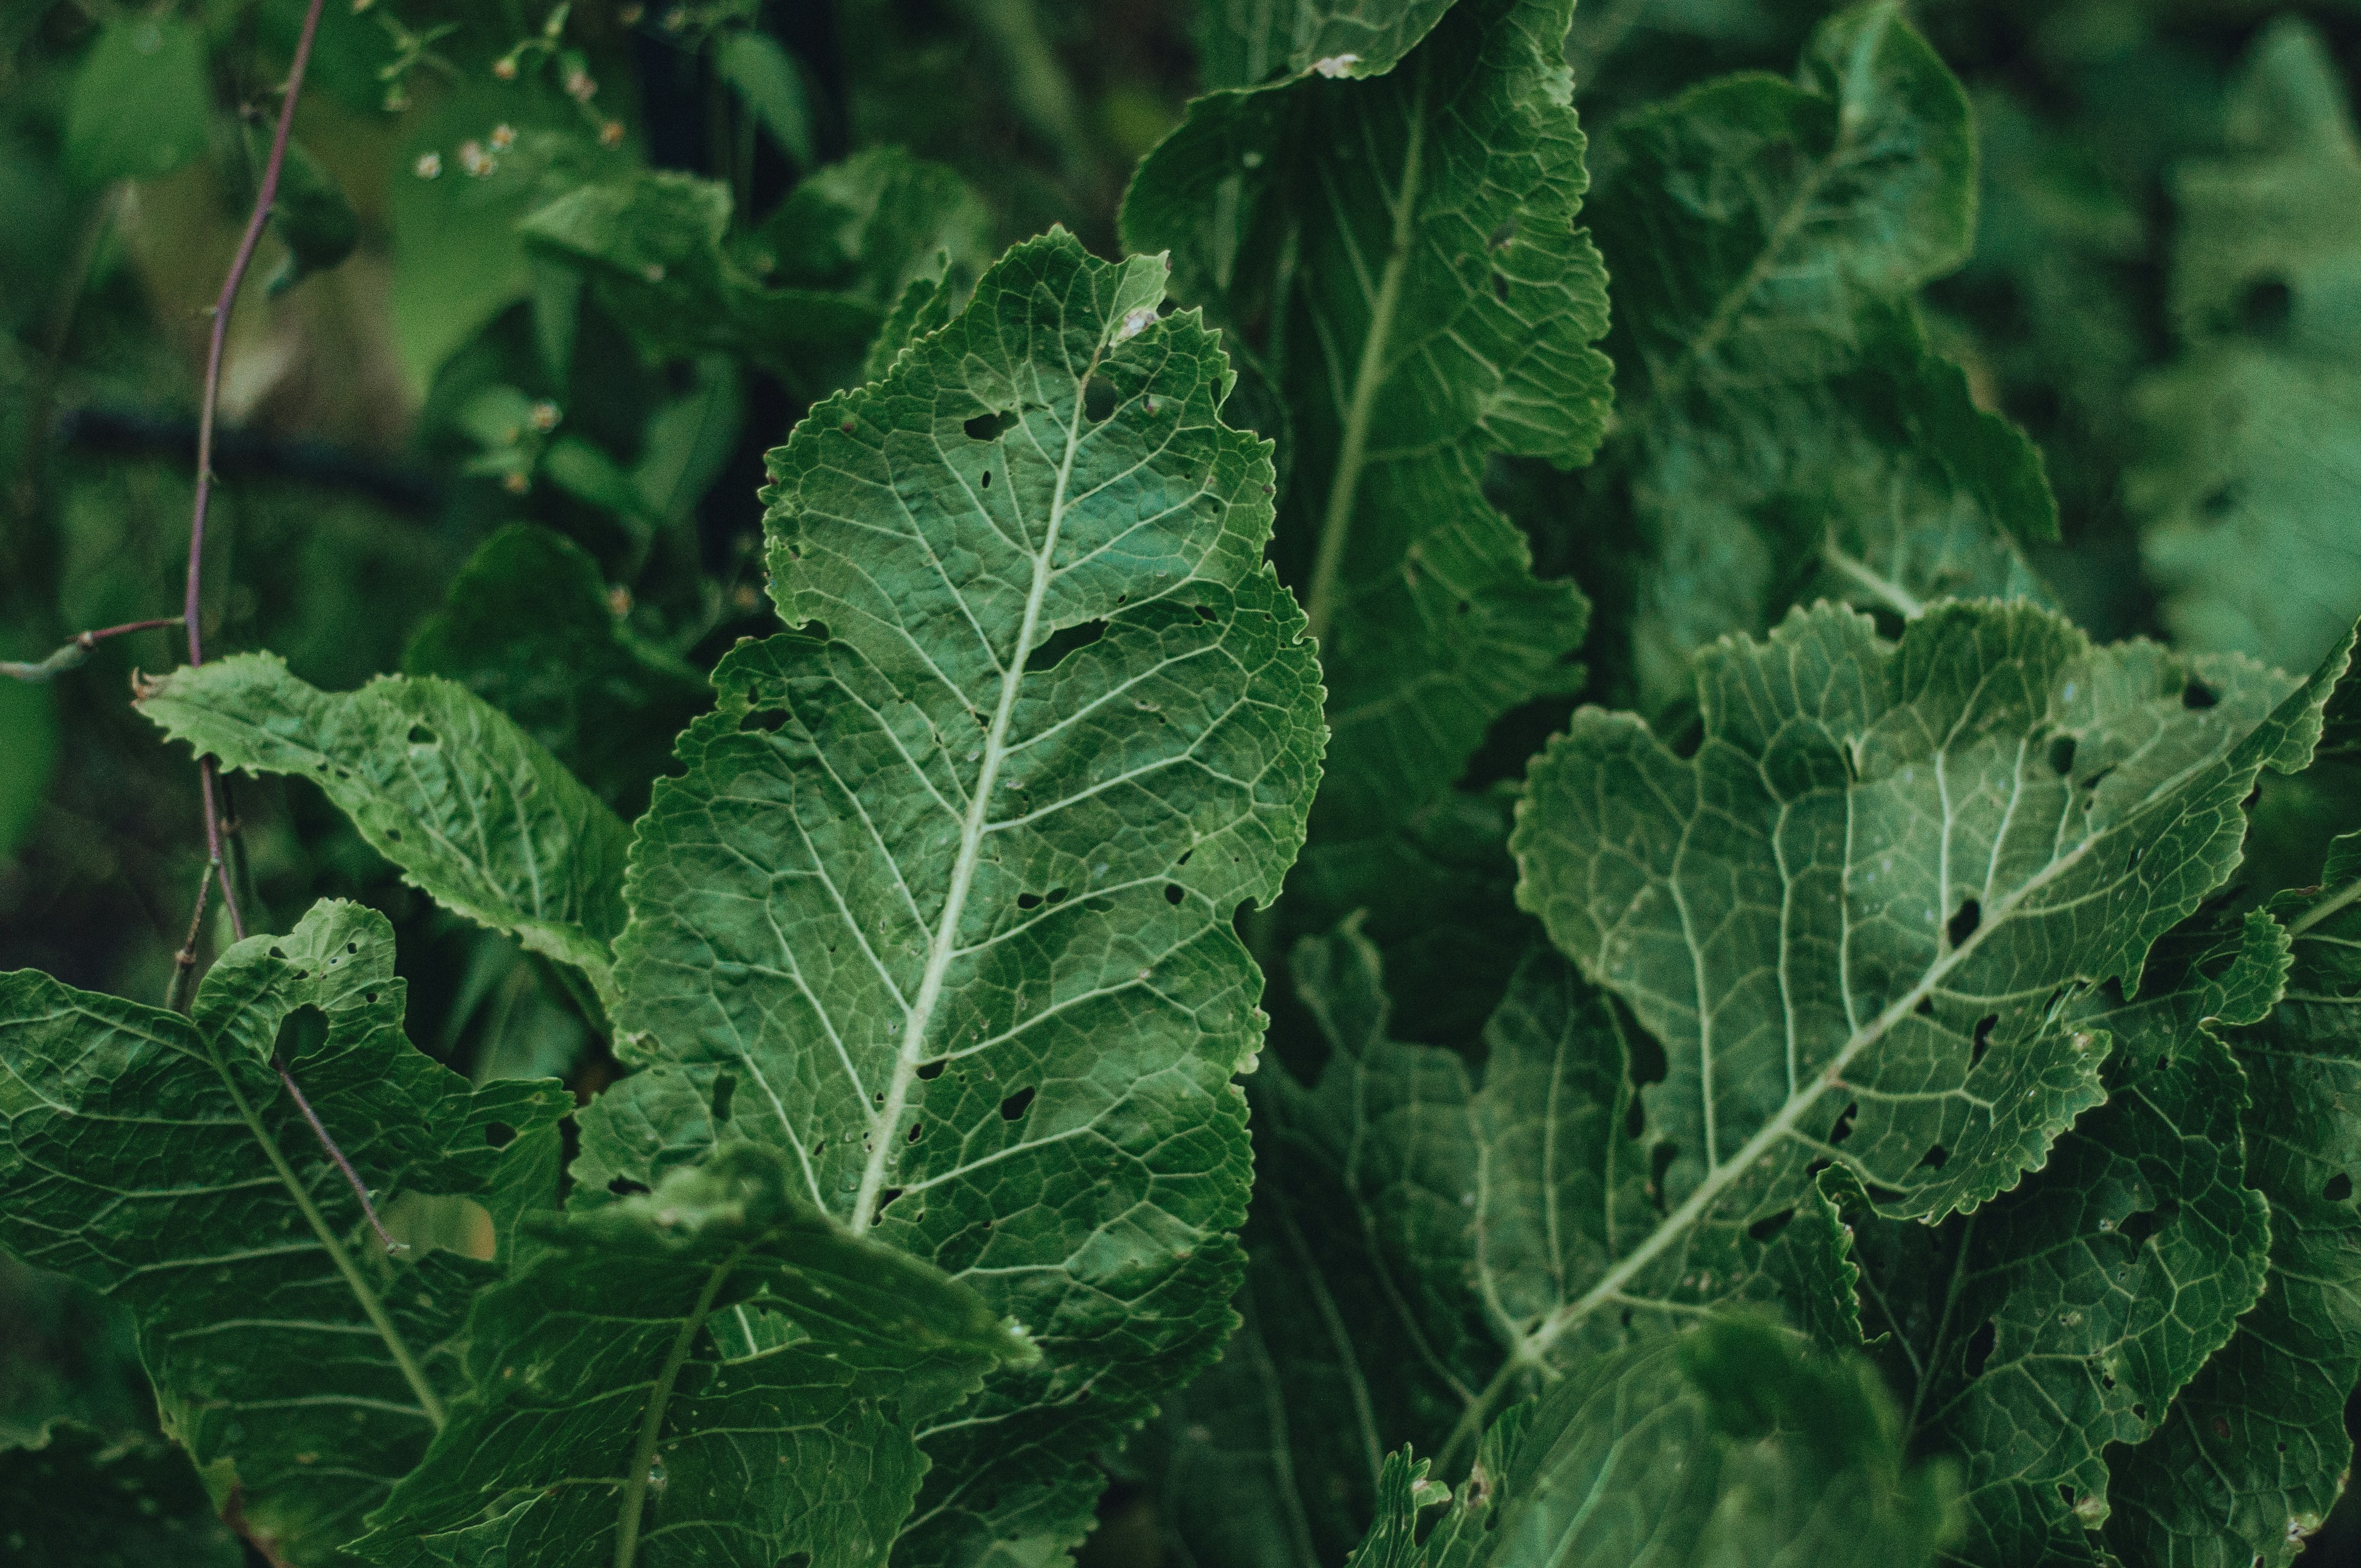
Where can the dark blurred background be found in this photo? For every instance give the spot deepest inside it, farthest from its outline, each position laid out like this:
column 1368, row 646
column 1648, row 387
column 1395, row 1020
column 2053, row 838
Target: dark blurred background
column 384, row 417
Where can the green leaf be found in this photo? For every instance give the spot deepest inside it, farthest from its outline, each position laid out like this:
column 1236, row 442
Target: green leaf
column 1843, row 917
column 311, row 214
column 474, row 811
column 616, row 1418
column 1241, row 42
column 2242, row 487
column 942, row 909
column 1402, row 257
column 83, row 1502
column 526, row 627
column 1786, row 432
column 2064, row 1316
column 805, row 297
column 761, row 74
column 157, row 1159
column 139, row 105
column 1731, row 1446
column 2253, row 1455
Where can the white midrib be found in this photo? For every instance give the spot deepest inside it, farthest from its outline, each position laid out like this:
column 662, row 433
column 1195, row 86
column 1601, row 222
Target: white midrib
column 1529, row 1354
column 945, row 943
column 1353, row 451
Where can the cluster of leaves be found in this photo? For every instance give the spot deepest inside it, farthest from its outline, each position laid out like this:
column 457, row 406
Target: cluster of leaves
column 1851, row 1091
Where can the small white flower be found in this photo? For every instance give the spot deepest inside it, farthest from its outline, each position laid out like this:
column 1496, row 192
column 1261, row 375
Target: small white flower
column 430, row 164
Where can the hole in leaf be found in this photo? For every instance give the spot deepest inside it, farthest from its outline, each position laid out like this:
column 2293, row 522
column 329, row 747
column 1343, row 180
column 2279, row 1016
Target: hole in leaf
column 2066, row 1493
column 352, row 946
column 1057, row 895
column 1058, row 644
column 885, row 1201
column 1979, row 1347
column 1017, row 1104
column 1028, row 901
column 1925, row 1008
column 1635, row 1119
column 1843, row 1129
column 916, row 1129
column 2139, row 1412
column 1172, row 892
column 394, row 834
column 2061, row 755
column 763, row 720
column 1985, row 1027
column 987, row 480
column 2339, row 1187
column 2137, row 1228
column 725, row 1090
column 928, row 1071
column 1964, row 922
column 499, row 1134
column 2198, row 694
column 1184, row 856
column 990, row 426
column 623, row 1186
column 421, row 736
column 1770, row 1225
column 1205, row 612
column 301, row 1033
column 2267, row 307
column 1098, row 400
column 1936, row 1158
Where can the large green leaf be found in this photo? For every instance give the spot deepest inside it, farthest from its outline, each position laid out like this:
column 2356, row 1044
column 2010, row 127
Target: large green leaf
column 2063, row 1317
column 140, row 105
column 616, row 1419
column 1786, row 432
column 1732, row 1447
column 526, row 626
column 942, row 909
column 472, row 809
column 2249, row 447
column 2253, row 1455
column 1846, row 916
column 159, row 1160
column 1402, row 255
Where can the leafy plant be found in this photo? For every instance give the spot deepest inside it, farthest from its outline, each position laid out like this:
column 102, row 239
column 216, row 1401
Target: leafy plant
column 1092, row 942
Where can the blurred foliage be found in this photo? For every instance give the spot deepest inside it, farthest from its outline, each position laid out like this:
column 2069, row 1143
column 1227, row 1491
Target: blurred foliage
column 471, row 431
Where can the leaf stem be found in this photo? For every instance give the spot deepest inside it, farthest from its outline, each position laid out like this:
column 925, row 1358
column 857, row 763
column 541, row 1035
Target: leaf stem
column 1368, row 376
column 2333, row 904
column 76, row 651
column 644, row 1454
column 371, row 1307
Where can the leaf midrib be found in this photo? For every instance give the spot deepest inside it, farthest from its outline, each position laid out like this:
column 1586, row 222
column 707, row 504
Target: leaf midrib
column 643, row 1451
column 1368, row 376
column 943, row 945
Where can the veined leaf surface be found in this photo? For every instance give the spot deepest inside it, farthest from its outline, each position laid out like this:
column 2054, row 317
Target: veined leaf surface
column 159, row 1160
column 1785, row 430
column 1402, row 255
column 941, row 911
column 616, row 1419
column 474, row 811
column 1241, row 42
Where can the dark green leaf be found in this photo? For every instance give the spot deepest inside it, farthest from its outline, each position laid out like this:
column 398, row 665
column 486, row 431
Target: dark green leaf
column 80, row 1501
column 941, row 910
column 139, row 105
column 716, row 1373
column 157, row 1158
column 1241, row 42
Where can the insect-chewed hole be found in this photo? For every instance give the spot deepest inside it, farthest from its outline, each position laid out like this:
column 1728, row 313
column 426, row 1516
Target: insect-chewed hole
column 990, row 426
column 623, row 1186
column 1055, row 896
column 421, row 736
column 932, row 1069
column 725, row 1091
column 1053, row 649
column 1770, row 1225
column 763, row 722
column 1660, row 1164
column 1173, row 892
column 2339, row 1187
column 2061, row 755
column 885, row 1201
column 1028, row 901
column 1205, row 612
column 1936, row 1158
column 1979, row 1347
column 2198, row 694
column 1843, row 1128
column 1964, row 921
column 499, row 1134
column 2137, row 1228
column 1017, row 1104
column 1099, row 399
column 985, row 483
column 301, row 1033
column 2066, row 1493
column 1985, row 1027
column 1925, row 1008
column 917, row 1130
